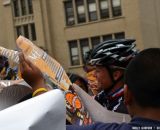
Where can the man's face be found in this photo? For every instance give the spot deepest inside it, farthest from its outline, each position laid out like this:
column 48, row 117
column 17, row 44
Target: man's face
column 103, row 77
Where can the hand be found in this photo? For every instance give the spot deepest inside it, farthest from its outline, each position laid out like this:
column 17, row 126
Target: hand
column 30, row 73
column 94, row 87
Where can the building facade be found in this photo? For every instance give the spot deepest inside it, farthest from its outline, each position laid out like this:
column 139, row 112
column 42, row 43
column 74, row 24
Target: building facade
column 69, row 28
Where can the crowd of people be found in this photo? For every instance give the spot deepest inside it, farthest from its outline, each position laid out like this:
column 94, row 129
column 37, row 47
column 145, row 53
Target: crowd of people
column 6, row 71
column 118, row 76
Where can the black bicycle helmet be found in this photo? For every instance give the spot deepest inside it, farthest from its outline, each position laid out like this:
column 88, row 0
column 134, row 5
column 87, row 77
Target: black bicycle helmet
column 116, row 53
column 87, row 57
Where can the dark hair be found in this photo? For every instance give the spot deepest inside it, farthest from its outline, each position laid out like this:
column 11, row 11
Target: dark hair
column 75, row 77
column 87, row 57
column 3, row 62
column 143, row 78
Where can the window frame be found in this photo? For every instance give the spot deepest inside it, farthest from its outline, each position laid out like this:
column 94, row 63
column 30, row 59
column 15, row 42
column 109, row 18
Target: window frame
column 80, row 6
column 26, row 30
column 92, row 4
column 104, row 13
column 23, row 7
column 93, row 39
column 67, row 15
column 116, row 10
column 33, row 31
column 30, row 6
column 74, row 44
column 82, row 43
column 121, row 35
column 16, row 8
column 107, row 37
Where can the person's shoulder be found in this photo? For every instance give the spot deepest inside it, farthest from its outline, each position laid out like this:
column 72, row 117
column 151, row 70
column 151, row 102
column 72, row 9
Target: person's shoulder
column 101, row 126
column 136, row 123
column 112, row 126
column 145, row 122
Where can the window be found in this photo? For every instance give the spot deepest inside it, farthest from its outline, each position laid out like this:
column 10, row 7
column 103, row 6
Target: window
column 16, row 8
column 30, row 7
column 33, row 32
column 23, row 7
column 116, row 8
column 83, row 11
column 19, row 30
column 104, row 9
column 119, row 35
column 26, row 32
column 107, row 37
column 95, row 41
column 92, row 10
column 69, row 13
column 80, row 11
column 84, row 44
column 74, row 54
column 26, row 26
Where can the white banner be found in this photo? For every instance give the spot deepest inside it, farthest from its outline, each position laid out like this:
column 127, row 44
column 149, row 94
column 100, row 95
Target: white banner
column 97, row 112
column 43, row 112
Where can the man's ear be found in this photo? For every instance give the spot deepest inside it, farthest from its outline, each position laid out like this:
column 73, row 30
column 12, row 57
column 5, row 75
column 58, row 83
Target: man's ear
column 117, row 74
column 127, row 96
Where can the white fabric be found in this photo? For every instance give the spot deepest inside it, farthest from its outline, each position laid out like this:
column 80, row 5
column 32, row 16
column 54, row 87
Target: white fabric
column 97, row 112
column 44, row 112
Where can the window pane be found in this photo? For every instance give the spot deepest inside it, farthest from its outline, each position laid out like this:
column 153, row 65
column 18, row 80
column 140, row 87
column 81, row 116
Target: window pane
column 80, row 11
column 26, row 33
column 33, row 32
column 30, row 7
column 95, row 41
column 74, row 54
column 69, row 13
column 116, row 3
column 16, row 8
column 92, row 7
column 116, row 8
column 74, row 51
column 104, row 4
column 92, row 10
column 23, row 7
column 120, row 35
column 104, row 9
column 84, row 44
column 107, row 37
column 19, row 30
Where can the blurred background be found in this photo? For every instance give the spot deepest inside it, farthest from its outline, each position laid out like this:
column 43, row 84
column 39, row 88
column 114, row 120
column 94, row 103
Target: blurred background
column 66, row 29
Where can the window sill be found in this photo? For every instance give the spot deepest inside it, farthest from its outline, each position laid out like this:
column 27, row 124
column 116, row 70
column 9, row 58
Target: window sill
column 75, row 66
column 23, row 16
